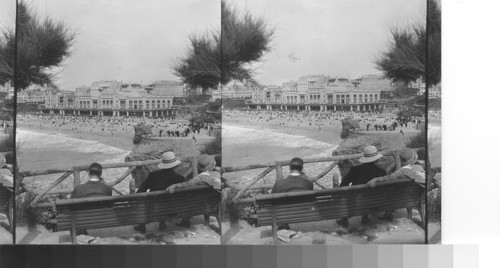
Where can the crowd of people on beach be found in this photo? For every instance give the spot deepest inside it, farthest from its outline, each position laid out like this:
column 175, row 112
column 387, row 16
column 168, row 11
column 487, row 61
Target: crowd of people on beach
column 113, row 126
column 369, row 121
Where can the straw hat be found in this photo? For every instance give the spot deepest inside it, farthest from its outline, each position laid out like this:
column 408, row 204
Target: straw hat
column 370, row 154
column 168, row 160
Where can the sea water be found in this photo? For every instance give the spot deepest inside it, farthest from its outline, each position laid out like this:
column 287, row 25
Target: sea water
column 40, row 151
column 244, row 146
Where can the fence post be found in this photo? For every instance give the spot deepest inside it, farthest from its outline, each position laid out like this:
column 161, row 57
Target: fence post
column 194, row 166
column 76, row 177
column 279, row 171
column 397, row 160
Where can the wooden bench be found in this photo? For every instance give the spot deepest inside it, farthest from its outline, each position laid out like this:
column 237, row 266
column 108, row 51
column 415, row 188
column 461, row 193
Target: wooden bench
column 112, row 211
column 307, row 206
column 7, row 205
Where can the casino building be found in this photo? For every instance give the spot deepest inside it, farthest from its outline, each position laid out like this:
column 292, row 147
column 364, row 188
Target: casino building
column 322, row 93
column 107, row 98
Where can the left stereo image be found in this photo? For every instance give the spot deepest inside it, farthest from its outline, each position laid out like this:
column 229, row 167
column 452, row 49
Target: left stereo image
column 117, row 141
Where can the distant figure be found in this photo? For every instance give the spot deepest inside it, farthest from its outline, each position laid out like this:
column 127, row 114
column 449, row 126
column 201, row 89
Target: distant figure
column 94, row 187
column 296, row 181
column 362, row 174
column 368, row 127
column 161, row 131
column 160, row 180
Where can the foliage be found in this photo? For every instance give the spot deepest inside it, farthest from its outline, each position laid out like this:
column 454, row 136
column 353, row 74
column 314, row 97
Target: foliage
column 405, row 58
column 202, row 119
column 245, row 39
column 42, row 45
column 233, row 103
column 409, row 113
column 220, row 56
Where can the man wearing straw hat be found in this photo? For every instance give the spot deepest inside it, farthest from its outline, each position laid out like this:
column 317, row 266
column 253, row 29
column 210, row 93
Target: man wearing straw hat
column 160, row 180
column 363, row 173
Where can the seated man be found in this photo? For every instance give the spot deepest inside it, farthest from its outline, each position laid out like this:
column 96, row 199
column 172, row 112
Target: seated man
column 160, row 180
column 210, row 175
column 295, row 182
column 361, row 174
column 411, row 168
column 94, row 187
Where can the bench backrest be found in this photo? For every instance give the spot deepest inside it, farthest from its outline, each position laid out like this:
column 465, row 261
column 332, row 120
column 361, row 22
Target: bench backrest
column 101, row 212
column 306, row 206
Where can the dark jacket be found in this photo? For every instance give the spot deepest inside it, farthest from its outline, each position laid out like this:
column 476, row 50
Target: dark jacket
column 362, row 174
column 91, row 189
column 160, row 180
column 292, row 184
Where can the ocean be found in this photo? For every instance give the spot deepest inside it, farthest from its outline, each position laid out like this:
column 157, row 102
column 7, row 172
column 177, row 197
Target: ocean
column 40, row 151
column 243, row 146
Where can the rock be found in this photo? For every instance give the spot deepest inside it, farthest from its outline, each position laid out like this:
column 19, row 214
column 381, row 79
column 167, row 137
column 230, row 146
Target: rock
column 84, row 239
column 348, row 124
column 154, row 150
column 190, row 234
column 392, row 228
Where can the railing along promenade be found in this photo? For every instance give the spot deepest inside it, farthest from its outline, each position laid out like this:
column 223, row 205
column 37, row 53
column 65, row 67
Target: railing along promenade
column 277, row 167
column 75, row 171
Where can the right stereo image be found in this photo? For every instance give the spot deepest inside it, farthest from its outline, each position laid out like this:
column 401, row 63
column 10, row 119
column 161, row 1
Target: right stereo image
column 331, row 122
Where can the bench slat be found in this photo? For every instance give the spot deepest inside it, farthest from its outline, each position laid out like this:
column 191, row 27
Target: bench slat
column 102, row 212
column 315, row 208
column 126, row 219
column 337, row 202
column 333, row 215
column 323, row 205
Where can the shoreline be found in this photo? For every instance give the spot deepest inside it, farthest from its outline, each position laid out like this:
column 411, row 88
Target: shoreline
column 123, row 142
column 329, row 134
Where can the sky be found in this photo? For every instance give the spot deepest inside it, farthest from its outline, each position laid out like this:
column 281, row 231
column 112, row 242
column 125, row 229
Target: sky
column 329, row 37
column 7, row 14
column 126, row 40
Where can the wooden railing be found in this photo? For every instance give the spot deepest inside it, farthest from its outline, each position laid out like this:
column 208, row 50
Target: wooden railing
column 75, row 173
column 278, row 167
